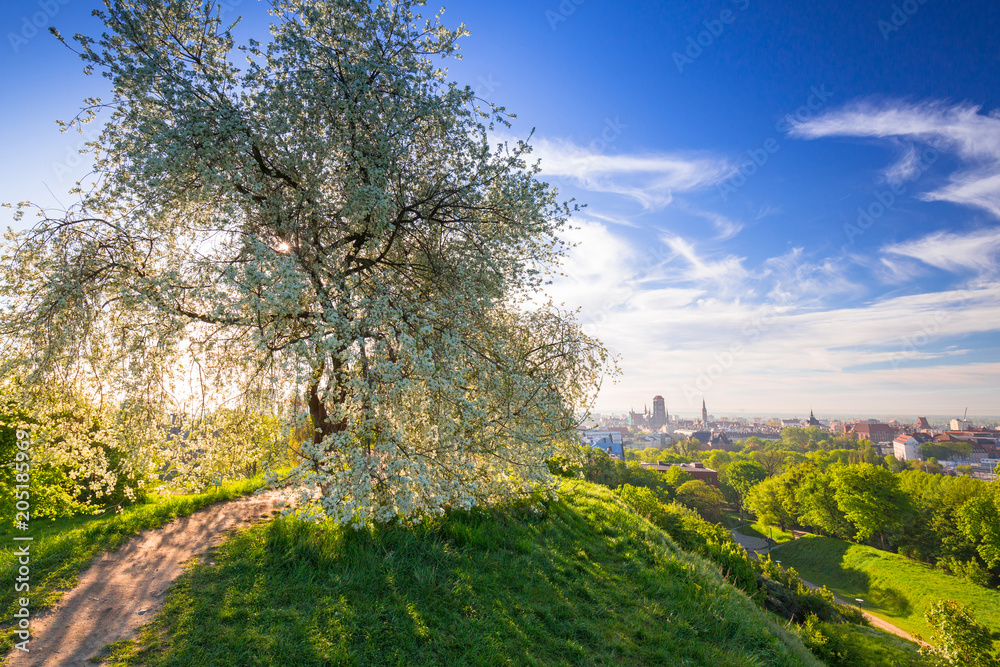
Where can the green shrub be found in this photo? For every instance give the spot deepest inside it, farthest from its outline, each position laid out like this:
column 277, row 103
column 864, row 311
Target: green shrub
column 846, row 645
column 58, row 490
column 692, row 533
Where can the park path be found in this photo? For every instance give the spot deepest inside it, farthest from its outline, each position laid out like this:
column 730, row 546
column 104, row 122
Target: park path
column 757, row 547
column 123, row 589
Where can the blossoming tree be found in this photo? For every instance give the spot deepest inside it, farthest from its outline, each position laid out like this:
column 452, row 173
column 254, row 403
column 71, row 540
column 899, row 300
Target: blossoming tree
column 324, row 230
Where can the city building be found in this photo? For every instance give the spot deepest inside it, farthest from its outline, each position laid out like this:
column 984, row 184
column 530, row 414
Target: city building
column 906, row 448
column 876, row 432
column 701, row 435
column 590, row 436
column 719, row 440
column 659, row 417
column 616, row 450
column 638, row 420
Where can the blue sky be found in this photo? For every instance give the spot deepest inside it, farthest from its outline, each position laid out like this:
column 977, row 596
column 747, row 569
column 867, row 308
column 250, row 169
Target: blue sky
column 789, row 204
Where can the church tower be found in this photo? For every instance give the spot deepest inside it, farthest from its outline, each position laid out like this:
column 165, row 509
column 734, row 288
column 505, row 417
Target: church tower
column 704, row 413
column 659, row 417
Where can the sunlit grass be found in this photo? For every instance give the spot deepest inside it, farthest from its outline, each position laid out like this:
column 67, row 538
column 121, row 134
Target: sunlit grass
column 763, row 531
column 893, row 587
column 586, row 582
column 63, row 548
column 848, row 645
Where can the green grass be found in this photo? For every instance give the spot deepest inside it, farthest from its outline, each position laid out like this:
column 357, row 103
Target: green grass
column 763, row 531
column 847, row 645
column 584, row 582
column 63, row 548
column 893, row 587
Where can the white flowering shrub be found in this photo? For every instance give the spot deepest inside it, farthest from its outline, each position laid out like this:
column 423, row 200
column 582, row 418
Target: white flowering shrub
column 80, row 458
column 315, row 229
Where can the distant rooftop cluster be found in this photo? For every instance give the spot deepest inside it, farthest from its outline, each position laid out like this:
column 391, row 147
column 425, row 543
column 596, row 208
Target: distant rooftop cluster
column 657, row 428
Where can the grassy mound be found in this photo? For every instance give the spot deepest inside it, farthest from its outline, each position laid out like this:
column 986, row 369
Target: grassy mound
column 893, row 587
column 63, row 548
column 585, row 581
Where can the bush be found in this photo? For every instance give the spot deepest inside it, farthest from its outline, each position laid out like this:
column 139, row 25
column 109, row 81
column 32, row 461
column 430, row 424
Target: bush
column 786, row 595
column 704, row 499
column 970, row 570
column 62, row 489
column 959, row 638
column 844, row 645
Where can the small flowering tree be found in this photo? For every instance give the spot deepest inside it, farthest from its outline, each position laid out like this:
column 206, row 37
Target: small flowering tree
column 326, row 234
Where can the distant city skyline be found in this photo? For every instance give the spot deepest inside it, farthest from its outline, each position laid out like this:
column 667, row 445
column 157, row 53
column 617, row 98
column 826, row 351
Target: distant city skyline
column 832, row 415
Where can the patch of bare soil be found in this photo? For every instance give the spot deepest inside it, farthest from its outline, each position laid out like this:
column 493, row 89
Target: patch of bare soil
column 123, row 590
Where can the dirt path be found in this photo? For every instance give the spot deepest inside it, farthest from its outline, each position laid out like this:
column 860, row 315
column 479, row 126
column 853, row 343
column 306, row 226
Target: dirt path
column 874, row 620
column 123, row 589
column 757, row 546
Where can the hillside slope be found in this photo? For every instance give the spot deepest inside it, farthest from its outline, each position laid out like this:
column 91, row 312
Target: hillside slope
column 893, row 586
column 583, row 582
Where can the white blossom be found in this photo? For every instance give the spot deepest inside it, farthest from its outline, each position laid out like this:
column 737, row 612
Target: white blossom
column 324, row 236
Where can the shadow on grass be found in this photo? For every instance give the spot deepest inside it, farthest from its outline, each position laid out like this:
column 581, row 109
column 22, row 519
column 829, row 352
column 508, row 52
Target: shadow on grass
column 477, row 588
column 820, row 560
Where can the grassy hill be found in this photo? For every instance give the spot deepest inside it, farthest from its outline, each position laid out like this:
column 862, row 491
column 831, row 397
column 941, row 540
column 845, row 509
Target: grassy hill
column 893, row 587
column 585, row 581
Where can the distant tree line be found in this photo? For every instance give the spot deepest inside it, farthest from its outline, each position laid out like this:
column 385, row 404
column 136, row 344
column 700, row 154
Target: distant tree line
column 952, row 522
column 838, row 486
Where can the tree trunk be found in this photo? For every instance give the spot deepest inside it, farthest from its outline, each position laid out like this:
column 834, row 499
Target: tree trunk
column 322, row 426
column 320, row 418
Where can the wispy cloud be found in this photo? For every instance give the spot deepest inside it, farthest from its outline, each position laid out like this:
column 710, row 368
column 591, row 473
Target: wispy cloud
column 956, row 252
column 725, row 274
column 962, row 128
column 677, row 308
column 798, row 279
column 650, row 179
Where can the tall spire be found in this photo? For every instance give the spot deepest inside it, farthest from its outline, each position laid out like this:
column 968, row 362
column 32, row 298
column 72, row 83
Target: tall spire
column 704, row 412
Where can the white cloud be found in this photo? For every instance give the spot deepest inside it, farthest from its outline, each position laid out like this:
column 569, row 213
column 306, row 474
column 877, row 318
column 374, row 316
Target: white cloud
column 651, row 179
column 956, row 252
column 906, row 167
column 796, row 279
column 726, row 274
column 961, row 128
column 758, row 339
column 599, row 270
column 762, row 356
